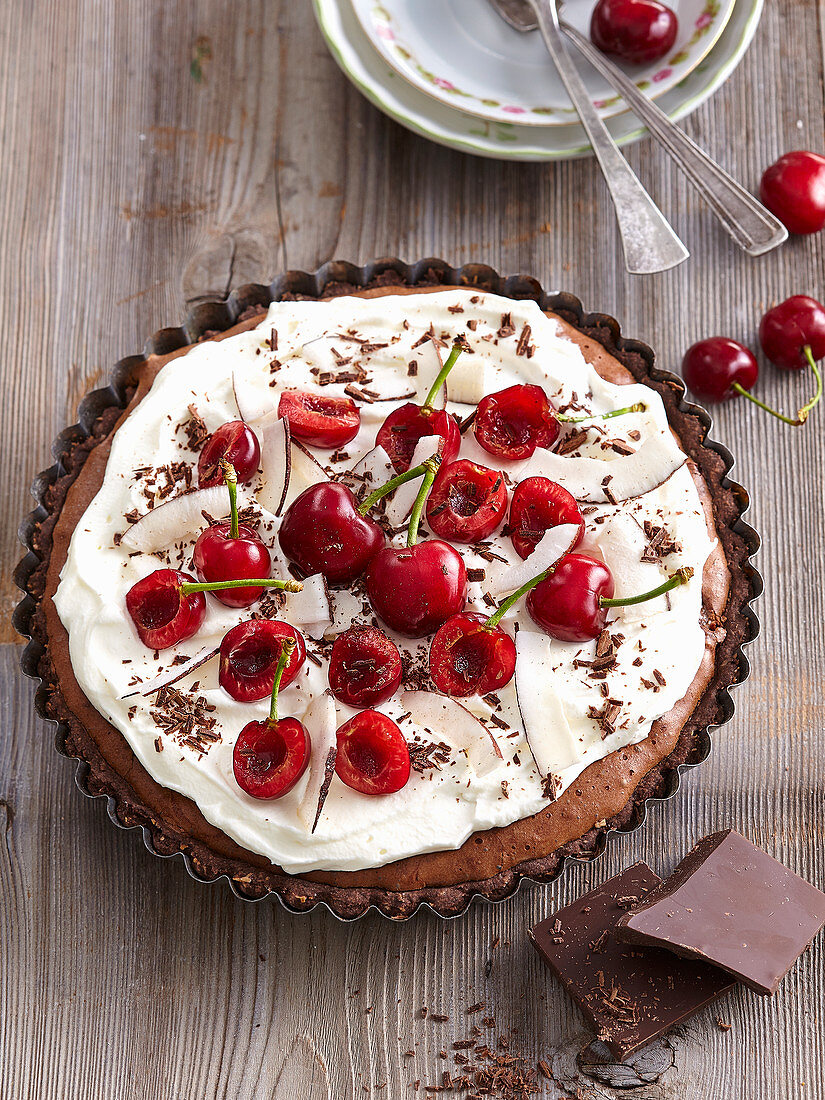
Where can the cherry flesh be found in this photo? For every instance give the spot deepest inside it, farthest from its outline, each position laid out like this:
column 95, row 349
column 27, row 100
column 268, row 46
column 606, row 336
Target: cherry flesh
column 221, row 556
column 712, row 368
column 249, row 658
column 373, row 756
column 788, row 328
column 638, row 31
column 234, row 442
column 537, row 505
column 163, row 615
column 324, row 532
column 514, row 421
column 467, row 503
column 319, row 420
column 468, row 657
column 793, row 188
column 364, row 667
column 567, row 604
column 417, row 588
column 270, row 757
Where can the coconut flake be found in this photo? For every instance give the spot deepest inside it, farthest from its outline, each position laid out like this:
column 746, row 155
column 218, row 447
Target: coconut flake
column 548, row 732
column 320, row 721
column 594, row 481
column 445, row 717
column 555, row 543
column 311, row 608
column 466, row 381
column 276, row 462
column 167, row 677
column 175, row 519
column 253, row 404
column 402, row 500
column 372, row 470
column 304, row 471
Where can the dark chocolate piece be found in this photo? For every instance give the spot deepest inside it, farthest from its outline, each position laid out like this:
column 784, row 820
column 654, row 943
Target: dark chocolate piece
column 731, row 904
column 629, row 996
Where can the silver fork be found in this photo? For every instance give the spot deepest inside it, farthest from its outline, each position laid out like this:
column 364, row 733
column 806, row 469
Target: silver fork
column 649, row 242
column 747, row 221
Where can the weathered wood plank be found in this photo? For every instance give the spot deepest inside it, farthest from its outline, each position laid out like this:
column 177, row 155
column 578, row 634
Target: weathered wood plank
column 129, row 187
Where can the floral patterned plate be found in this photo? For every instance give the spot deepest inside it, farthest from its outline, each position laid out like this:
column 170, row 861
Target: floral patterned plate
column 463, row 54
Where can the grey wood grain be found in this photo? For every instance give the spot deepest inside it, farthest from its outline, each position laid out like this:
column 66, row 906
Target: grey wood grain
column 132, row 183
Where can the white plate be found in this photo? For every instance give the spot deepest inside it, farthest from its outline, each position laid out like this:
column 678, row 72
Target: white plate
column 506, row 140
column 463, row 54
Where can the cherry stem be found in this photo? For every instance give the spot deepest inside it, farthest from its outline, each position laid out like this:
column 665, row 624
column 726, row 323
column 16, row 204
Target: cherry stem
column 247, row 582
column 681, row 576
column 431, row 469
column 392, row 484
column 505, row 606
column 802, row 415
column 442, row 375
column 231, row 479
column 637, row 408
column 287, row 647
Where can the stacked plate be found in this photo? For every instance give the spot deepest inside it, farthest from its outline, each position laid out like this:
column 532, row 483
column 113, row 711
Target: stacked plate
column 455, row 72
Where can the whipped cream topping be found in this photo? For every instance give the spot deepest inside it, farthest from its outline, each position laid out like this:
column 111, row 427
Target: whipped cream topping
column 385, row 351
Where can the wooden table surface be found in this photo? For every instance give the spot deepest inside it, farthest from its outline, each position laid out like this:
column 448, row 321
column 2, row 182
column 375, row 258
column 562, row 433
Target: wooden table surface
column 129, row 188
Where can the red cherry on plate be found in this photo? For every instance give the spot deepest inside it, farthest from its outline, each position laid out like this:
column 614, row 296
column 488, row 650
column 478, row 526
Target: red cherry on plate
column 364, row 667
column 403, row 428
column 270, row 757
column 469, row 657
column 635, row 30
column 712, row 368
column 467, row 502
column 163, row 615
column 537, row 505
column 324, row 532
column 220, row 556
column 249, row 658
column 319, row 420
column 417, row 588
column 793, row 188
column 373, row 756
column 234, row 442
column 514, row 421
column 788, row 328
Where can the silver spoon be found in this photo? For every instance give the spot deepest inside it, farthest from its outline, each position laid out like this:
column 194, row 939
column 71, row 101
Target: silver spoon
column 649, row 241
column 747, row 221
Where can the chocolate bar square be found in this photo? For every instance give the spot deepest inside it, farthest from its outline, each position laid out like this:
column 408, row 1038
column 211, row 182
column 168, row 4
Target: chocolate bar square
column 730, row 904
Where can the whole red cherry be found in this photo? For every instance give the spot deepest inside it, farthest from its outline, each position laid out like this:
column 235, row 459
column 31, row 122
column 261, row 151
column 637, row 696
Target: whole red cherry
column 467, row 503
column 638, row 31
column 270, row 757
column 417, row 588
column 364, row 667
column 162, row 613
column 373, row 756
column 793, row 188
column 236, row 443
column 220, row 556
column 788, row 328
column 469, row 657
column 514, row 421
column 249, row 658
column 318, row 419
column 567, row 604
column 537, row 505
column 324, row 532
column 713, row 368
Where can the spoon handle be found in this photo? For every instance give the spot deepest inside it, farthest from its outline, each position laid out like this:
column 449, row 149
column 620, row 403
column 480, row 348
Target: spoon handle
column 747, row 221
column 649, row 242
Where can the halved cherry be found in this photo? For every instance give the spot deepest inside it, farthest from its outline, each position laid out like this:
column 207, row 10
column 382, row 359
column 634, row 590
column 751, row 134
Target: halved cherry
column 514, row 421
column 467, row 503
column 270, row 757
column 234, row 442
column 162, row 611
column 249, row 658
column 364, row 667
column 537, row 505
column 403, row 428
column 232, row 551
column 416, row 588
column 468, row 656
column 373, row 756
column 319, row 419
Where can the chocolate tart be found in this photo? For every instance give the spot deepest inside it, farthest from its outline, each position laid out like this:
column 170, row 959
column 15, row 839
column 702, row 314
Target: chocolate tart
column 490, row 864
